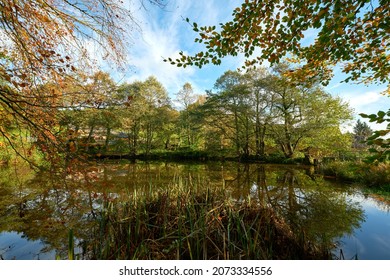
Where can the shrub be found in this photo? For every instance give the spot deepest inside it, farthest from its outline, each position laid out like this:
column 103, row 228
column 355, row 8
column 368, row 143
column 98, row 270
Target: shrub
column 377, row 175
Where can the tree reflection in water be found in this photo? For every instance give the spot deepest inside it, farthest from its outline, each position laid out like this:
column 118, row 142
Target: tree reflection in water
column 45, row 206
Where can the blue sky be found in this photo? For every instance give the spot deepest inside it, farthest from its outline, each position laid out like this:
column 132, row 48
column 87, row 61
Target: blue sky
column 165, row 33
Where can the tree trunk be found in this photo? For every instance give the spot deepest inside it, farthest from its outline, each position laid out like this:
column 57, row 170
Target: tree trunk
column 287, row 149
column 149, row 136
column 108, row 134
column 133, row 140
column 88, row 141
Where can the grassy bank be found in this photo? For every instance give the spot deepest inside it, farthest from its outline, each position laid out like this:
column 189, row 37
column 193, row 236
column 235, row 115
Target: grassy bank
column 193, row 155
column 374, row 176
column 195, row 224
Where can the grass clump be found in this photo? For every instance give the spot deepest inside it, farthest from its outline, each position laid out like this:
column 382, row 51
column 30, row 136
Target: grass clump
column 191, row 224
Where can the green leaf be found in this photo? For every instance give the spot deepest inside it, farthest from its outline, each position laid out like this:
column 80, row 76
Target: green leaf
column 381, row 114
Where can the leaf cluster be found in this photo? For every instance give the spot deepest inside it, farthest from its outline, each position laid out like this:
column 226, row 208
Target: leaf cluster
column 351, row 32
column 380, row 144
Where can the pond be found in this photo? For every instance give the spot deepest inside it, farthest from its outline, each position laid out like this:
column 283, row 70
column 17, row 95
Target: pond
column 38, row 209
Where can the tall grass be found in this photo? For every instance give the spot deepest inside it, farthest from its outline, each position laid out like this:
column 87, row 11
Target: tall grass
column 191, row 222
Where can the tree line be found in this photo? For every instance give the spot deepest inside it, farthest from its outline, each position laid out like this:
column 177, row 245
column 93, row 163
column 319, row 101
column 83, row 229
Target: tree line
column 257, row 114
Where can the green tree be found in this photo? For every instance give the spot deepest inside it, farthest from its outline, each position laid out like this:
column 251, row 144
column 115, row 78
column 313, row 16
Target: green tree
column 304, row 113
column 186, row 97
column 145, row 101
column 155, row 97
column 231, row 104
column 361, row 132
column 131, row 114
column 167, row 123
column 379, row 141
column 261, row 99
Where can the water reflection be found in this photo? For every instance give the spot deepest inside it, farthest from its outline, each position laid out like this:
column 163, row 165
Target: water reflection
column 43, row 207
column 372, row 240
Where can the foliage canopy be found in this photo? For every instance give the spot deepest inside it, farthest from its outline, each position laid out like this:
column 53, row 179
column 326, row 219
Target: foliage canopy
column 355, row 33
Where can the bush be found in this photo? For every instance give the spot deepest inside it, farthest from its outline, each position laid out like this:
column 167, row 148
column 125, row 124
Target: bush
column 373, row 176
column 343, row 170
column 377, row 175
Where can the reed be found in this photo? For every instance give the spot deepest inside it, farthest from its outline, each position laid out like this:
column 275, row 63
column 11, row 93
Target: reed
column 193, row 222
column 71, row 255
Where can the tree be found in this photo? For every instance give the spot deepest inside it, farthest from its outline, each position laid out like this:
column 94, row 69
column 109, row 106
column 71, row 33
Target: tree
column 131, row 114
column 48, row 41
column 302, row 113
column 141, row 116
column 186, row 97
column 167, row 127
column 379, row 140
column 232, row 102
column 262, row 102
column 261, row 109
column 361, row 132
column 155, row 97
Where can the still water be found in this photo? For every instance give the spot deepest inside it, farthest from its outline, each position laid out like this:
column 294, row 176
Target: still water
column 38, row 209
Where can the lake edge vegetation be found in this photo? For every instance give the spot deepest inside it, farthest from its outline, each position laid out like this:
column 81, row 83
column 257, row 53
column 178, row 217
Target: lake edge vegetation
column 191, row 223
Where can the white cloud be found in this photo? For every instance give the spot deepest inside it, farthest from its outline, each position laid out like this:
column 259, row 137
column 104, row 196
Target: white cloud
column 165, row 34
column 365, row 100
column 159, row 40
column 368, row 102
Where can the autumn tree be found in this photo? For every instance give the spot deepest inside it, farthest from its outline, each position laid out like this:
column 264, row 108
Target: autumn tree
column 49, row 41
column 351, row 32
column 101, row 98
